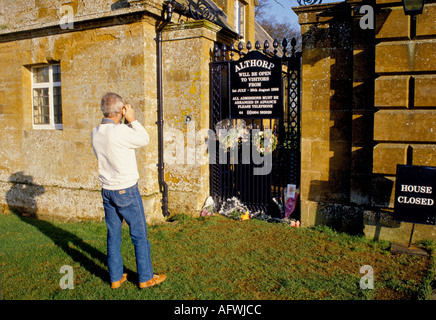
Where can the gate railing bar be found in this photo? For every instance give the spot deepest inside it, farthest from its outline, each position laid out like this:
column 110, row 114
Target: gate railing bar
column 227, row 53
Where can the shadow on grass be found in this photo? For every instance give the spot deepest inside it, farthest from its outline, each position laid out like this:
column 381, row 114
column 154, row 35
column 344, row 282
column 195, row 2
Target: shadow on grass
column 21, row 202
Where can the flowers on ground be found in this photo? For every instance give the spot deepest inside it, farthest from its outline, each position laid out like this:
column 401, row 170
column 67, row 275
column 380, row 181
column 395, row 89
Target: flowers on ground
column 234, row 209
column 208, row 208
column 294, row 223
column 245, row 216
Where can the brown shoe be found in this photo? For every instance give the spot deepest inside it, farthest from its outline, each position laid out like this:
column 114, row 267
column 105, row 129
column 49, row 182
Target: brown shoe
column 157, row 278
column 117, row 284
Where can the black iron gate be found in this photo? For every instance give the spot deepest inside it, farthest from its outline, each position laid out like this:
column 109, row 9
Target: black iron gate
column 231, row 173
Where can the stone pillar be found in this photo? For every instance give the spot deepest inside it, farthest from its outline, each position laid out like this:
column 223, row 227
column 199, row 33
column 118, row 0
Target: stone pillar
column 187, row 52
column 326, row 123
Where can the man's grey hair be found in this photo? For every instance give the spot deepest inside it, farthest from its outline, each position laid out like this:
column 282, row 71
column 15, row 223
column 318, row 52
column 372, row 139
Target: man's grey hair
column 111, row 103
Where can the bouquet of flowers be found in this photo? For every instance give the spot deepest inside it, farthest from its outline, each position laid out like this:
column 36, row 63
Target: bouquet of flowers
column 234, row 209
column 295, row 223
column 208, row 208
column 265, row 141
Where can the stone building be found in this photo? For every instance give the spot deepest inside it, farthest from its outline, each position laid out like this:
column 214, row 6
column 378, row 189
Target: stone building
column 57, row 58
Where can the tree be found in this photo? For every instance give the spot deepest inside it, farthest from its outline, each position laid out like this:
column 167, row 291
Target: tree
column 276, row 29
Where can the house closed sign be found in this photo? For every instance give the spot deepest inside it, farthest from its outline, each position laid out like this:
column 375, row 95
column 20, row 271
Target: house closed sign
column 256, row 87
column 415, row 194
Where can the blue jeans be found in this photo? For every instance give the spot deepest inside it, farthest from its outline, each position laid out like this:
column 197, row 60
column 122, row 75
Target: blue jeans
column 126, row 204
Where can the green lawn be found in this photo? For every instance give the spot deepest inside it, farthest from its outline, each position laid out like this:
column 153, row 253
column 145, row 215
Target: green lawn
column 206, row 258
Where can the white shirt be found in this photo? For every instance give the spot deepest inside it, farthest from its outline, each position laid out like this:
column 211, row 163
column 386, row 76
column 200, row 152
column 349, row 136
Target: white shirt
column 114, row 146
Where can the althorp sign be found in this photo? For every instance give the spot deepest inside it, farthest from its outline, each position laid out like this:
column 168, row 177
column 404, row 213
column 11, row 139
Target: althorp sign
column 256, row 87
column 414, row 194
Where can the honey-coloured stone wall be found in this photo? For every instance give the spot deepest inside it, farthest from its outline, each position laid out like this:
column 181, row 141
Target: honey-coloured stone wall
column 110, row 47
column 368, row 104
column 62, row 162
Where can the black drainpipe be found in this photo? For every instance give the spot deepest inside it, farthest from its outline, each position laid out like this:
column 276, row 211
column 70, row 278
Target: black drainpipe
column 160, row 122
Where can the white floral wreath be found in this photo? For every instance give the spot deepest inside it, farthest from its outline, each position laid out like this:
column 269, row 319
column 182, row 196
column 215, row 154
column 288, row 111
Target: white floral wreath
column 259, row 141
column 230, row 136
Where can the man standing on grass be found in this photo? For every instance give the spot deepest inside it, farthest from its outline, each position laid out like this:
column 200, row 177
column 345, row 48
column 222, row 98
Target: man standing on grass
column 114, row 145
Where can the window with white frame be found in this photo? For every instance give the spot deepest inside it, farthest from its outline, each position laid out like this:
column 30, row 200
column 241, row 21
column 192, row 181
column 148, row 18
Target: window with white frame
column 240, row 18
column 46, row 97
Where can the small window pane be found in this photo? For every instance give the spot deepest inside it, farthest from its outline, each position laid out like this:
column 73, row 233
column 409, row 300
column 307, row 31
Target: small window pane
column 41, row 108
column 40, row 75
column 241, row 19
column 57, row 104
column 239, row 15
column 47, row 98
column 56, row 73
